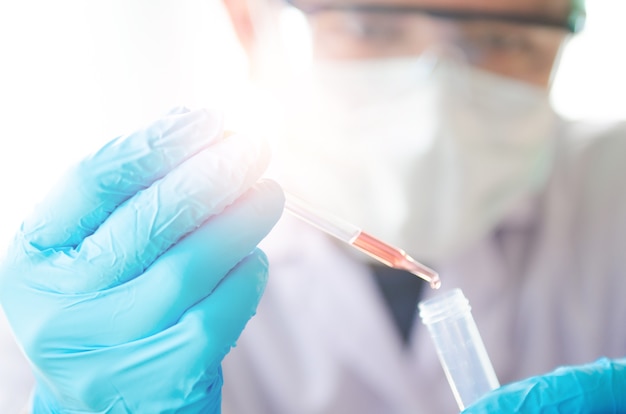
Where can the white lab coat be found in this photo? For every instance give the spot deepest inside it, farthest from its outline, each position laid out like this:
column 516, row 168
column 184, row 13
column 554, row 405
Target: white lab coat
column 546, row 289
column 16, row 379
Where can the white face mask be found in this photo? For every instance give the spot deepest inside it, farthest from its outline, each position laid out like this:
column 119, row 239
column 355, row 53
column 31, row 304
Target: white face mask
column 427, row 156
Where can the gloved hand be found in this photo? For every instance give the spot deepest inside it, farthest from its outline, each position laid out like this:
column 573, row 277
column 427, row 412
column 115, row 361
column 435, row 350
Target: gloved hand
column 134, row 277
column 599, row 387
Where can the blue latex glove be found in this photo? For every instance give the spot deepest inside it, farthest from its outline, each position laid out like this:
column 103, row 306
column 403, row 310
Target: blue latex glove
column 132, row 280
column 599, row 387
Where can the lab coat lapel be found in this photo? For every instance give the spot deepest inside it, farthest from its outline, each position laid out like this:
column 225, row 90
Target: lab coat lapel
column 361, row 329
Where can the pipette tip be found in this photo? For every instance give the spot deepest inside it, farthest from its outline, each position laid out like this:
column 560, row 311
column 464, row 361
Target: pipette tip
column 424, row 272
column 435, row 283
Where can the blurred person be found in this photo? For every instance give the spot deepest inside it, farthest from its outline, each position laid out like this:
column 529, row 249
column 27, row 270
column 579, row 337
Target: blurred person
column 426, row 123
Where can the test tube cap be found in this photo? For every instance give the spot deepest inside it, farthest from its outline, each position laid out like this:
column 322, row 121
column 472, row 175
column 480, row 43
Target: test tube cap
column 449, row 304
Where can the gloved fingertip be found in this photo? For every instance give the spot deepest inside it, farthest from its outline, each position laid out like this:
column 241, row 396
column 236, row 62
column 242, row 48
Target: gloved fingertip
column 271, row 186
column 256, row 264
column 273, row 198
column 213, row 119
column 257, row 147
column 260, row 256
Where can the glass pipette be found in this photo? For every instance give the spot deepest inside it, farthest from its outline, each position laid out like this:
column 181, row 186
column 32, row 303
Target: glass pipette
column 354, row 236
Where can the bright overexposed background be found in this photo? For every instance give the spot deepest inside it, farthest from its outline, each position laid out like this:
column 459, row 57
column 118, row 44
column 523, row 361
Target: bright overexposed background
column 591, row 81
column 76, row 73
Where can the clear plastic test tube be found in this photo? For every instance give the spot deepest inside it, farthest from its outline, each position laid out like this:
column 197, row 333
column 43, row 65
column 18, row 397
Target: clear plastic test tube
column 459, row 346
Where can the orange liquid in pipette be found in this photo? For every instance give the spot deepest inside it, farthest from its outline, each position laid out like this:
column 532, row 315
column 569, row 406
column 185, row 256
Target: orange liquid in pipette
column 394, row 257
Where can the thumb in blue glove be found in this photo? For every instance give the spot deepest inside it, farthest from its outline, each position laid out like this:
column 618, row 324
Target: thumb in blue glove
column 135, row 276
column 599, row 387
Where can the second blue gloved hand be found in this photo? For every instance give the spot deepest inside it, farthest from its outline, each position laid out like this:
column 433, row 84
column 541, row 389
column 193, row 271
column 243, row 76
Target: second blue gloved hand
column 132, row 280
column 599, row 387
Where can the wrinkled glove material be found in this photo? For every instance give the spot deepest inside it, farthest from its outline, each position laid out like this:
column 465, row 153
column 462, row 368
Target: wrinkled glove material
column 598, row 387
column 134, row 277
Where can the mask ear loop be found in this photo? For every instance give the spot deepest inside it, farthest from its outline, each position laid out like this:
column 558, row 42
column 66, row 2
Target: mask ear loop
column 557, row 61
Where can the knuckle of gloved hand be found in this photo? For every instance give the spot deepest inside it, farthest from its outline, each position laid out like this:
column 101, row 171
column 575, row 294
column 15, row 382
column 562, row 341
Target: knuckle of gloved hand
column 46, row 338
column 195, row 326
column 257, row 276
column 268, row 201
column 240, row 158
column 118, row 180
column 204, row 344
column 60, row 326
column 87, row 391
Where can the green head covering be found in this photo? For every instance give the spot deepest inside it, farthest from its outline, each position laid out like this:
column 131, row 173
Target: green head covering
column 577, row 16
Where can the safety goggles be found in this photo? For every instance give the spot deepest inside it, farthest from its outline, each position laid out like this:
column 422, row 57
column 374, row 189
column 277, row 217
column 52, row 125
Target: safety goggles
column 573, row 23
column 512, row 44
